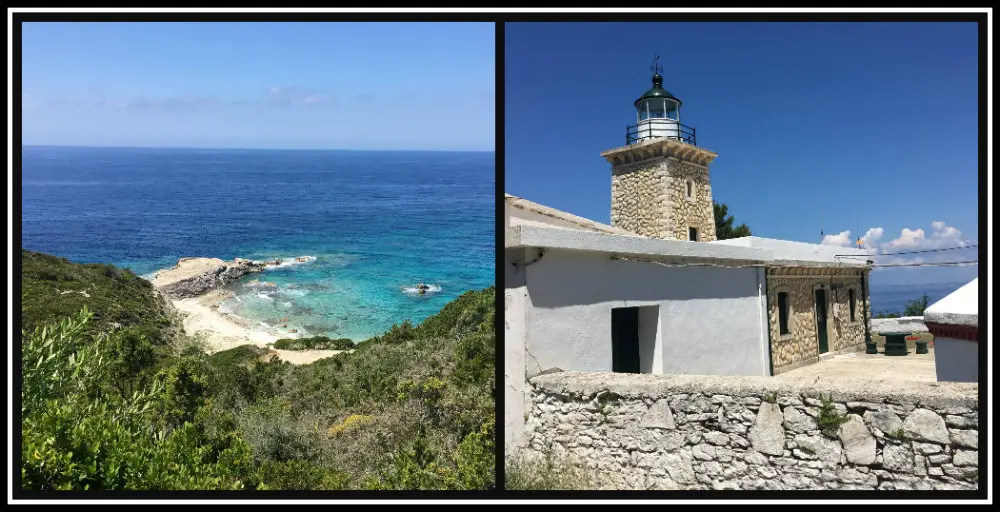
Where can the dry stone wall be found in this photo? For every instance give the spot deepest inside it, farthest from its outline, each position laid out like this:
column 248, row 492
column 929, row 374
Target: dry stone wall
column 700, row 432
column 801, row 345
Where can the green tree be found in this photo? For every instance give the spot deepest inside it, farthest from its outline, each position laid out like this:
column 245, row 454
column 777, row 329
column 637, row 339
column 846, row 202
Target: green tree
column 916, row 307
column 131, row 356
column 724, row 224
column 184, row 384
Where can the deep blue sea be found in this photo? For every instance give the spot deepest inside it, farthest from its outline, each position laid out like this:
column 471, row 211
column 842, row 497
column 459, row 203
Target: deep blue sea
column 893, row 298
column 376, row 222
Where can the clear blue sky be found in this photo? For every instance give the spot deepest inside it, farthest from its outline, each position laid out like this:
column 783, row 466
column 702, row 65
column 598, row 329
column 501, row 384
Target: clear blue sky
column 260, row 85
column 833, row 126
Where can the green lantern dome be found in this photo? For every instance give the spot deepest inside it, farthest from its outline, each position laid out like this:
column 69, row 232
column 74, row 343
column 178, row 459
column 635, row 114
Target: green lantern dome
column 657, row 91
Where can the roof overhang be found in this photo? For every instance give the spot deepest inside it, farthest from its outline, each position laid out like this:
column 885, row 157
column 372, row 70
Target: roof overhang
column 586, row 241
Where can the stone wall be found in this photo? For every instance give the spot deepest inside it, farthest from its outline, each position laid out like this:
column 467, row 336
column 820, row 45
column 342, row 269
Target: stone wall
column 801, row 345
column 696, row 211
column 649, row 198
column 697, row 432
column 639, row 198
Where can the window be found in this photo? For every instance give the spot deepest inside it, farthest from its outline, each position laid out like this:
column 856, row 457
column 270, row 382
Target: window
column 850, row 296
column 690, row 189
column 693, row 234
column 783, row 313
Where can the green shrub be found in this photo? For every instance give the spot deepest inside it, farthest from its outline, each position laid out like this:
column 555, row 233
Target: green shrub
column 237, row 356
column 112, row 405
column 898, row 435
column 298, row 474
column 314, row 343
column 131, row 356
column 54, row 288
column 183, row 386
column 829, row 419
column 547, row 472
column 74, row 438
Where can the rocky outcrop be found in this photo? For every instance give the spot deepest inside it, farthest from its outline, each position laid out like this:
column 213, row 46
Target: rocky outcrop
column 192, row 277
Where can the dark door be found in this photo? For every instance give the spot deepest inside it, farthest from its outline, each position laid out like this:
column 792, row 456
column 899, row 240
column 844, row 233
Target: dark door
column 821, row 321
column 625, row 340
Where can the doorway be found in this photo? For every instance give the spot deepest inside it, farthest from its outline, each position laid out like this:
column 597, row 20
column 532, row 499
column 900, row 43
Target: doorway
column 635, row 340
column 625, row 340
column 821, row 334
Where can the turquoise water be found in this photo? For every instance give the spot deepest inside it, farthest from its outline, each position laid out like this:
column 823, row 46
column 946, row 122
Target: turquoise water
column 376, row 223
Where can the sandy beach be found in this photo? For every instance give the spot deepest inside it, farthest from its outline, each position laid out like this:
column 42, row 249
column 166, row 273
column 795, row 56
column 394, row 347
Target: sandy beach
column 223, row 331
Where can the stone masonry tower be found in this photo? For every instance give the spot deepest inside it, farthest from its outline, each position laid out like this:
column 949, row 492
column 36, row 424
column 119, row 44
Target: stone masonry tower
column 659, row 178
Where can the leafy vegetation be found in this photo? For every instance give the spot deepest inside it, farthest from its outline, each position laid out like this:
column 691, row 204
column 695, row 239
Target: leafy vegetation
column 54, row 288
column 314, row 343
column 547, row 472
column 724, row 229
column 103, row 408
column 898, row 435
column 829, row 419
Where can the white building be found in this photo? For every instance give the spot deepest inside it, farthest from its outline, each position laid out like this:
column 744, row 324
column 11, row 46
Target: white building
column 647, row 295
column 954, row 322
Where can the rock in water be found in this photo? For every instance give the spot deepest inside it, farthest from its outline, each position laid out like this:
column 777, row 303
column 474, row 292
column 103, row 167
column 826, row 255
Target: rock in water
column 192, row 277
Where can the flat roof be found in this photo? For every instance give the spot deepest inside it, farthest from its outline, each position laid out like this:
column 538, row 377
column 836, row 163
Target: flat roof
column 584, row 223
column 555, row 238
column 960, row 307
column 787, row 252
column 733, row 254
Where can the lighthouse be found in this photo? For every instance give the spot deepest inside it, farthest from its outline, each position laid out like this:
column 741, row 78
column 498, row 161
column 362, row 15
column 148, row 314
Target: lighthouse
column 658, row 114
column 659, row 179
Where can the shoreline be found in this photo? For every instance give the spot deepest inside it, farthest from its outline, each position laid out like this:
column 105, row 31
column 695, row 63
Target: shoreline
column 220, row 331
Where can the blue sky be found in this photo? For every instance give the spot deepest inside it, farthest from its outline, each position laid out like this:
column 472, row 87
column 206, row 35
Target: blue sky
column 858, row 129
column 260, row 85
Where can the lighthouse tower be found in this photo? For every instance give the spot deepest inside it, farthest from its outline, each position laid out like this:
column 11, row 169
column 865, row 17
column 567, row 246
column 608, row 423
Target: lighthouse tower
column 659, row 178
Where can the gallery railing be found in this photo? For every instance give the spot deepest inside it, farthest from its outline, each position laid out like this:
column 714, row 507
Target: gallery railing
column 667, row 128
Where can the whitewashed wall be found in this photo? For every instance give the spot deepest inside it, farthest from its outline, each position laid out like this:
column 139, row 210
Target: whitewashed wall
column 711, row 320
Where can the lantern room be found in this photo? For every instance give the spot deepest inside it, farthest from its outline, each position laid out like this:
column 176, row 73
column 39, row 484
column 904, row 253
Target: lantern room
column 658, row 114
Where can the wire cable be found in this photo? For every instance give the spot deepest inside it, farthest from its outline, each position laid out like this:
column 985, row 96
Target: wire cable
column 908, row 252
column 931, row 264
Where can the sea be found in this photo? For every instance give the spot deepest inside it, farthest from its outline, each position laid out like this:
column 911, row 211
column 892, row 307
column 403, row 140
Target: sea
column 371, row 225
column 892, row 298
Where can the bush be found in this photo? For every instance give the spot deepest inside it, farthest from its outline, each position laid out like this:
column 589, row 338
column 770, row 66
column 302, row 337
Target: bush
column 183, row 387
column 76, row 439
column 237, row 356
column 54, row 288
column 300, row 475
column 829, row 419
column 917, row 307
column 109, row 407
column 131, row 355
column 547, row 472
column 314, row 343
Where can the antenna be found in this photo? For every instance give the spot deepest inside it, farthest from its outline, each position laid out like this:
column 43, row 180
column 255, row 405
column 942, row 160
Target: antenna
column 656, row 67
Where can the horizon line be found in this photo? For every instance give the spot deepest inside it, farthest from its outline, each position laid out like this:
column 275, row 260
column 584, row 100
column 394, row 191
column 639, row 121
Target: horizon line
column 255, row 149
